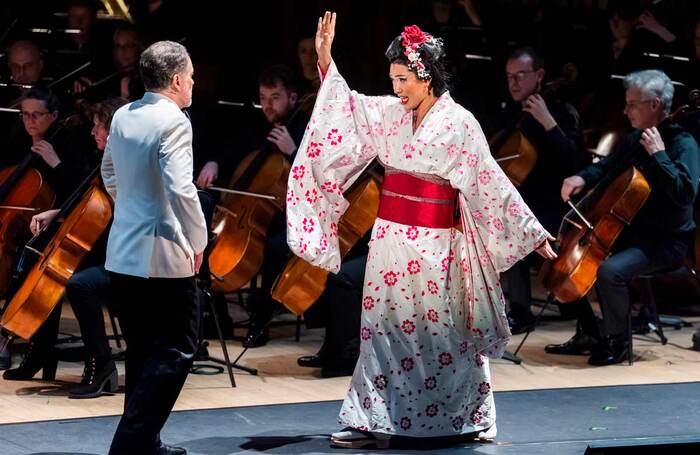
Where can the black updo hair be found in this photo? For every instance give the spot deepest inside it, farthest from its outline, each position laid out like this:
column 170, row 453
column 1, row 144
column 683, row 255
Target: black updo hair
column 433, row 57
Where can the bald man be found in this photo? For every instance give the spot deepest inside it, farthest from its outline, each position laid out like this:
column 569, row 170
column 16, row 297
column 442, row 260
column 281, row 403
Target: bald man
column 25, row 62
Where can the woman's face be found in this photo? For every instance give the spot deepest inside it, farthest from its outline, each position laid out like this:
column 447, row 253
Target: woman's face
column 36, row 117
column 99, row 132
column 410, row 90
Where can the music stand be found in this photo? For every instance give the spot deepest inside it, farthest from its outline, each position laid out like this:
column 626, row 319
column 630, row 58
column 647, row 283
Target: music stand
column 203, row 352
column 513, row 356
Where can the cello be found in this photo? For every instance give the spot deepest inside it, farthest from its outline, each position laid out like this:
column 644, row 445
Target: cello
column 242, row 218
column 584, row 245
column 300, row 284
column 23, row 192
column 513, row 152
column 86, row 215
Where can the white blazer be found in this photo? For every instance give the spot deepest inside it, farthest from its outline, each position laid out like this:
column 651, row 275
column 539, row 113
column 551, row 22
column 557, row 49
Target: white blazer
column 158, row 224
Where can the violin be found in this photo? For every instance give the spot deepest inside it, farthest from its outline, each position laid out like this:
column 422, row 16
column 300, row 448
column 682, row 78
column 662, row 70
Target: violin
column 300, row 284
column 86, row 215
column 241, row 219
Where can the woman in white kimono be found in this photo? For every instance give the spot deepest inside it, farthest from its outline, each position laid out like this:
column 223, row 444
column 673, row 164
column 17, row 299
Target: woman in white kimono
column 433, row 310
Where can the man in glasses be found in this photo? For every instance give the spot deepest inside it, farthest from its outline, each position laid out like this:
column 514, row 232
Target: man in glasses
column 554, row 130
column 661, row 234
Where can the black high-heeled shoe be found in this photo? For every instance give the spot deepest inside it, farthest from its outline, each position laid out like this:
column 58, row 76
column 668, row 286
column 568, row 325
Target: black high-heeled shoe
column 99, row 376
column 33, row 360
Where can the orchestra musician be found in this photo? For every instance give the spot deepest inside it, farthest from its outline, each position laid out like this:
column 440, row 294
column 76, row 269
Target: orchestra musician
column 87, row 290
column 554, row 129
column 661, row 235
column 279, row 100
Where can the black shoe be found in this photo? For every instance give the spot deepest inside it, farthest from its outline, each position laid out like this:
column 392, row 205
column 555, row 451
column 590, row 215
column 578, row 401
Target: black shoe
column 579, row 344
column 612, row 350
column 98, row 377
column 696, row 341
column 165, row 449
column 337, row 371
column 310, row 361
column 256, row 338
column 339, row 367
column 521, row 325
column 33, row 360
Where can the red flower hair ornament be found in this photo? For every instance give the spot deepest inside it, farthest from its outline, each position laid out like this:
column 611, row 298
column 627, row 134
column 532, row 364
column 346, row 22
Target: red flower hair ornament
column 412, row 38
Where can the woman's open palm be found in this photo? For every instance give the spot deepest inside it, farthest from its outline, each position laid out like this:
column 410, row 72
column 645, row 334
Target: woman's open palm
column 325, row 32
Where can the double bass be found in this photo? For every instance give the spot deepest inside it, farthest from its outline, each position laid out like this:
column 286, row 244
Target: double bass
column 242, row 218
column 300, row 284
column 85, row 216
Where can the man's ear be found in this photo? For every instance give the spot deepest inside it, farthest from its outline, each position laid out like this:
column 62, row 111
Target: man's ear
column 176, row 80
column 293, row 97
column 540, row 74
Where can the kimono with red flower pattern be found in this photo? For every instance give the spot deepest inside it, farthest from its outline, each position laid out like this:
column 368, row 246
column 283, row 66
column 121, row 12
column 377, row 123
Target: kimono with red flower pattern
column 433, row 310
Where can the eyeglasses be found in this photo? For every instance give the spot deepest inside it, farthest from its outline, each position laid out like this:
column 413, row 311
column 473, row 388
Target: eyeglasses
column 634, row 104
column 33, row 115
column 517, row 77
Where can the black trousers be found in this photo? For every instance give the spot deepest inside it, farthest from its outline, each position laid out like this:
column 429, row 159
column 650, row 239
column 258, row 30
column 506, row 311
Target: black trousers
column 517, row 279
column 276, row 255
column 87, row 290
column 638, row 256
column 343, row 298
column 160, row 321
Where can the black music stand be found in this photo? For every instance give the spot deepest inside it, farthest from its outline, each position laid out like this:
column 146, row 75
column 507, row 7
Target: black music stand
column 202, row 351
column 513, row 356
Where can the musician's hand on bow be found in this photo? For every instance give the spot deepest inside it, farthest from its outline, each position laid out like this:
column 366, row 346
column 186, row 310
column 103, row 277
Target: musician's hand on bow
column 81, row 84
column 535, row 105
column 208, row 174
column 648, row 21
column 325, row 32
column 545, row 249
column 40, row 221
column 571, row 185
column 46, row 151
column 651, row 141
column 282, row 139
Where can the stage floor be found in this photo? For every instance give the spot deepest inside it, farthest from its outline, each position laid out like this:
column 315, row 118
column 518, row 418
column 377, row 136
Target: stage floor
column 554, row 421
column 282, row 381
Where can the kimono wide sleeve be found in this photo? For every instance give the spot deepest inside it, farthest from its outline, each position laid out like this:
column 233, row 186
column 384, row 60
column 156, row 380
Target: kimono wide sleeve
column 499, row 230
column 345, row 133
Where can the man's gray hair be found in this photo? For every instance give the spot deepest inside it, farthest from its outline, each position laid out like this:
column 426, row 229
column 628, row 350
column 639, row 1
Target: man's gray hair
column 160, row 62
column 652, row 83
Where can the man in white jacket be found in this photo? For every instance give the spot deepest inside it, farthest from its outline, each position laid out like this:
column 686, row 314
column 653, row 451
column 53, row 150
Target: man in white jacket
column 155, row 245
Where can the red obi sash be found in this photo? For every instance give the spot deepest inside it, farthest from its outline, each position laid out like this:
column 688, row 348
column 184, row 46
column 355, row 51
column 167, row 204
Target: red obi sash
column 413, row 201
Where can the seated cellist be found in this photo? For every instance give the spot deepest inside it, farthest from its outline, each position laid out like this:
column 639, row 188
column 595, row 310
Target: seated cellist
column 278, row 98
column 661, row 234
column 86, row 290
column 554, row 129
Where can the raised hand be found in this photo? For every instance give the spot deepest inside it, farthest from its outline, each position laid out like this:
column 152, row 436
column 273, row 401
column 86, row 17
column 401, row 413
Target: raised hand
column 47, row 152
column 282, row 139
column 651, row 140
column 325, row 32
column 536, row 106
